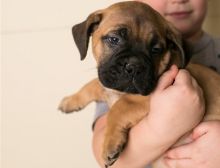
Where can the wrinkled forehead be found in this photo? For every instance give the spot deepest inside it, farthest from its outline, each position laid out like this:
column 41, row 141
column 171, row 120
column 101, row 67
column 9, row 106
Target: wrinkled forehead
column 143, row 18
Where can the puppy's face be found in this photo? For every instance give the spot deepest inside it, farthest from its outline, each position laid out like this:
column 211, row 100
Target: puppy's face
column 132, row 44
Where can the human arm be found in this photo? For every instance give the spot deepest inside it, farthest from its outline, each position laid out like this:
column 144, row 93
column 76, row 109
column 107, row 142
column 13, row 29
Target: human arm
column 179, row 110
column 203, row 151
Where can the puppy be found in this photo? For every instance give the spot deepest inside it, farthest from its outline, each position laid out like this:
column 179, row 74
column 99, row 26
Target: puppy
column 133, row 46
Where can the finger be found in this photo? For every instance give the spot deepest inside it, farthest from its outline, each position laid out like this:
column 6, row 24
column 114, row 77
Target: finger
column 183, row 77
column 167, row 78
column 180, row 152
column 200, row 130
column 180, row 163
column 194, row 82
column 186, row 139
column 196, row 85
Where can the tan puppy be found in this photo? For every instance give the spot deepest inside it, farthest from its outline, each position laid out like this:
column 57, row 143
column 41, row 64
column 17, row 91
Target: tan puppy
column 133, row 45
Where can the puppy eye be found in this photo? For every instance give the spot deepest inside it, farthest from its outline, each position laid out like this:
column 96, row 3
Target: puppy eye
column 113, row 40
column 156, row 50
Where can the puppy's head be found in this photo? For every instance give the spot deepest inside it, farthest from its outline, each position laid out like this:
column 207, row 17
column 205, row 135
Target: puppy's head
column 132, row 44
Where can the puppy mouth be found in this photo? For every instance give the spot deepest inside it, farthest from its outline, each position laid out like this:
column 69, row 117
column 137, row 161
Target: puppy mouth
column 138, row 88
column 128, row 76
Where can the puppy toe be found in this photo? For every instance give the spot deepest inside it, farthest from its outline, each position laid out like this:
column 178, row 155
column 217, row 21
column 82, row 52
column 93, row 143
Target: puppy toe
column 70, row 104
column 112, row 157
column 112, row 154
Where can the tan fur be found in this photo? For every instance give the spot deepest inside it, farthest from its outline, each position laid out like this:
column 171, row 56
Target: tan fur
column 126, row 110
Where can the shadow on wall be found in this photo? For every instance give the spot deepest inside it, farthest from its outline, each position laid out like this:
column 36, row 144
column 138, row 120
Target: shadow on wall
column 211, row 24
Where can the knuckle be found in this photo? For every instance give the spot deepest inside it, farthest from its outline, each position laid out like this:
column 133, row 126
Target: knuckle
column 186, row 90
column 184, row 72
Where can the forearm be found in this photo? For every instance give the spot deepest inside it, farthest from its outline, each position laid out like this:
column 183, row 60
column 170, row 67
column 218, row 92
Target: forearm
column 98, row 139
column 147, row 147
column 140, row 151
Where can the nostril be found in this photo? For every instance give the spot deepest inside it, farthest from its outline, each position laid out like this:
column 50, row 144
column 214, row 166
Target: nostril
column 130, row 68
column 113, row 72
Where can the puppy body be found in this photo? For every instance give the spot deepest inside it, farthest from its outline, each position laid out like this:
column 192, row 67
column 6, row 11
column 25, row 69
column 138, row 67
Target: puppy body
column 132, row 47
column 209, row 82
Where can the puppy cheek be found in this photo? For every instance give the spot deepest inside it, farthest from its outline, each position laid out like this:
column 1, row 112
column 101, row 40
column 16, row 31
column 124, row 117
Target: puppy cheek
column 97, row 49
column 164, row 63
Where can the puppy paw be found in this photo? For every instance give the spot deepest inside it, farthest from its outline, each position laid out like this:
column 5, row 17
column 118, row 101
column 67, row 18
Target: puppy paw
column 71, row 104
column 112, row 149
column 112, row 156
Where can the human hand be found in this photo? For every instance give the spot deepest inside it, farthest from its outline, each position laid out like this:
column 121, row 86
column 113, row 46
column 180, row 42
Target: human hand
column 202, row 152
column 176, row 105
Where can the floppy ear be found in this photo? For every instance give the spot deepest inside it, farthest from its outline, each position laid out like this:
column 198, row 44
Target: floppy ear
column 82, row 32
column 175, row 45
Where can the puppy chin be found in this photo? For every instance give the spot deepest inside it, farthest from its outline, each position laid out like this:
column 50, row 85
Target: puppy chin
column 137, row 85
column 145, row 89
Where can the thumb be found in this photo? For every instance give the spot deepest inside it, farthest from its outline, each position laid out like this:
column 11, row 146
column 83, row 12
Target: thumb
column 167, row 78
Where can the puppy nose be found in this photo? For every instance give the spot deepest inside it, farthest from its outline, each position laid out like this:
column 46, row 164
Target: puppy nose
column 130, row 69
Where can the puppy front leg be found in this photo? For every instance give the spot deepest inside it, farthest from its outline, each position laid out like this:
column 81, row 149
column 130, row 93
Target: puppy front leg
column 92, row 91
column 123, row 115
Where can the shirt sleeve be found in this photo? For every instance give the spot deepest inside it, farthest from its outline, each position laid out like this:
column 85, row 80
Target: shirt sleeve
column 101, row 109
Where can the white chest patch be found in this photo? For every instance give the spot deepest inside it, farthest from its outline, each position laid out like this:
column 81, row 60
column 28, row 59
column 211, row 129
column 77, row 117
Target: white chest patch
column 112, row 96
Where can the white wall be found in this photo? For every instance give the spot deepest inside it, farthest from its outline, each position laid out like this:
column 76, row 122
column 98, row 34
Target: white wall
column 40, row 65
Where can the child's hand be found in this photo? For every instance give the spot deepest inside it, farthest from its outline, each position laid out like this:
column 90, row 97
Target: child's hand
column 177, row 104
column 202, row 152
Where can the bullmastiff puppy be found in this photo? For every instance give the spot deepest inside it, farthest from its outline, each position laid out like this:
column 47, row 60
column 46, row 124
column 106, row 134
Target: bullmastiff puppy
column 133, row 46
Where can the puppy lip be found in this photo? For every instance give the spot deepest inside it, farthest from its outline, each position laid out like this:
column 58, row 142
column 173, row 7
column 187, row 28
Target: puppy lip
column 139, row 91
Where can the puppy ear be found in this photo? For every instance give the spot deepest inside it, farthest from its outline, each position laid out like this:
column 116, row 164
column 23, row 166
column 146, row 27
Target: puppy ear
column 82, row 32
column 175, row 45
